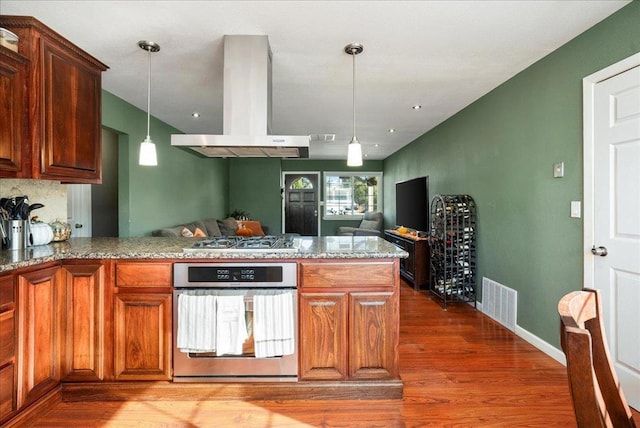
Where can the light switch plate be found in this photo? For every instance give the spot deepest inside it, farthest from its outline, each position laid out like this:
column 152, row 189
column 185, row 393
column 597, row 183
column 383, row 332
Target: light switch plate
column 558, row 170
column 576, row 209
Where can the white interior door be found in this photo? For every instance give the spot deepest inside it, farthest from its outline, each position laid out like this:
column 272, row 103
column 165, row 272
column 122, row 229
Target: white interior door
column 79, row 209
column 616, row 220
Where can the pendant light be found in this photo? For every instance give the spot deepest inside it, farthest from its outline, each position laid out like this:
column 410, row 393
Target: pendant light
column 354, row 152
column 147, row 147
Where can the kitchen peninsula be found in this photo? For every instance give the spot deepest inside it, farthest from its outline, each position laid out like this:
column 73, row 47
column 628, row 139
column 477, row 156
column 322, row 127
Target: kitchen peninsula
column 93, row 319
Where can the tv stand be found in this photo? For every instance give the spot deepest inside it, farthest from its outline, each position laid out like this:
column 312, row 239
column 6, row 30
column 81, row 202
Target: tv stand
column 414, row 269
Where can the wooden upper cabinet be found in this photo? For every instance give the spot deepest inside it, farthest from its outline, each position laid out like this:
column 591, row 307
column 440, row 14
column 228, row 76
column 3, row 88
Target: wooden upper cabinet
column 13, row 113
column 64, row 89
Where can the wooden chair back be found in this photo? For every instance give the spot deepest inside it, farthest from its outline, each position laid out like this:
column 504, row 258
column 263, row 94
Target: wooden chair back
column 598, row 400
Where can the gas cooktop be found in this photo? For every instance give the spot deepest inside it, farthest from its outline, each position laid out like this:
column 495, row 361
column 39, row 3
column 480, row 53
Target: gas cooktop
column 269, row 243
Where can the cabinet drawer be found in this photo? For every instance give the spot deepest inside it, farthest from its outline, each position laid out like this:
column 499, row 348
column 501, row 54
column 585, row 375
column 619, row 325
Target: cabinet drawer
column 348, row 274
column 7, row 336
column 7, row 297
column 398, row 242
column 139, row 274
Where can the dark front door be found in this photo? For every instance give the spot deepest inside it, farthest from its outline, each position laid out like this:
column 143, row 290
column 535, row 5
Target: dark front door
column 301, row 204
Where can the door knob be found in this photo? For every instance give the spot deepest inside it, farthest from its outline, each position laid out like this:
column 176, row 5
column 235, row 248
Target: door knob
column 78, row 225
column 600, row 251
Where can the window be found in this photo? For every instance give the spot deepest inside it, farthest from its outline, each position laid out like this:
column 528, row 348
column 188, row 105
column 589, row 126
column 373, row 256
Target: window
column 301, row 183
column 350, row 194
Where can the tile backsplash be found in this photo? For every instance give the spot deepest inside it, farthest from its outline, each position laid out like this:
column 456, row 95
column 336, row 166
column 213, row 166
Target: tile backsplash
column 52, row 194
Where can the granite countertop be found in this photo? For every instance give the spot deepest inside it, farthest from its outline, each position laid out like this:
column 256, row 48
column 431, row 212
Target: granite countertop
column 326, row 247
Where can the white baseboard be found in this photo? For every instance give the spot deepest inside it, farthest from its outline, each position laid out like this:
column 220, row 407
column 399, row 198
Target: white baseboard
column 545, row 347
column 534, row 340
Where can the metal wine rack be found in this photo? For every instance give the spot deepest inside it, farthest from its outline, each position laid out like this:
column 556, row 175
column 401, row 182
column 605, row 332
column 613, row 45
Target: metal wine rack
column 453, row 248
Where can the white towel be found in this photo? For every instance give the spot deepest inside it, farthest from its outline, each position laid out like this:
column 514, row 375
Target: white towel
column 273, row 325
column 196, row 323
column 231, row 328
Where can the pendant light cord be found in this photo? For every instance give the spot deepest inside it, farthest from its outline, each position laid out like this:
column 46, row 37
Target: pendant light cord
column 149, row 95
column 353, row 54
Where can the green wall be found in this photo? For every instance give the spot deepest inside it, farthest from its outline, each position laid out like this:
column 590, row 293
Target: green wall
column 501, row 150
column 329, row 227
column 254, row 186
column 183, row 187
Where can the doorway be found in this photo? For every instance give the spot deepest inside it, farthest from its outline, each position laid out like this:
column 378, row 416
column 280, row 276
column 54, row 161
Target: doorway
column 300, row 194
column 612, row 210
column 92, row 209
column 104, row 197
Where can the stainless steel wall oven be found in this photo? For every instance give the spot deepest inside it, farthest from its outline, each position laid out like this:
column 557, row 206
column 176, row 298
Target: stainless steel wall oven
column 267, row 295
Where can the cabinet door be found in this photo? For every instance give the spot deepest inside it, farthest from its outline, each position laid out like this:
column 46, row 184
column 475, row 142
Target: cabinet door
column 142, row 336
column 13, row 109
column 7, row 347
column 7, row 398
column 409, row 265
column 71, row 144
column 40, row 309
column 373, row 335
column 84, row 353
column 323, row 335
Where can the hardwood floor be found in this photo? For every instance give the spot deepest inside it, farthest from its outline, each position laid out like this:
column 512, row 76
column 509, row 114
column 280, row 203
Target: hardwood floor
column 460, row 369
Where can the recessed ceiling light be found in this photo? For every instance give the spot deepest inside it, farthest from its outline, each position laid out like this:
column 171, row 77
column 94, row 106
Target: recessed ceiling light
column 376, row 145
column 195, row 114
column 392, row 130
column 417, row 107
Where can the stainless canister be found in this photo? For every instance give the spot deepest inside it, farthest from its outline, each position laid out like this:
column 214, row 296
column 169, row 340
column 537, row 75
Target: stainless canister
column 17, row 234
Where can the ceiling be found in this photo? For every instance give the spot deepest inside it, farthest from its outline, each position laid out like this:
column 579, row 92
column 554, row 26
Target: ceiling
column 442, row 55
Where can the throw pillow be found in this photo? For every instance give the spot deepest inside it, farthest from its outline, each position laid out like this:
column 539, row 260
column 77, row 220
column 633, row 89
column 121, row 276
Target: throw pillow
column 211, row 226
column 244, row 231
column 369, row 224
column 186, row 233
column 228, row 226
column 199, row 233
column 169, row 232
column 255, row 226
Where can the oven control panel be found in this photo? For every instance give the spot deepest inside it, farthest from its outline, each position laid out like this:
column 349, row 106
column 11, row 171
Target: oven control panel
column 235, row 274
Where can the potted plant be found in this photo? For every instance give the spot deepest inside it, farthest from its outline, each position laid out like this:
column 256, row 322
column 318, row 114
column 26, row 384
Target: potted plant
column 239, row 214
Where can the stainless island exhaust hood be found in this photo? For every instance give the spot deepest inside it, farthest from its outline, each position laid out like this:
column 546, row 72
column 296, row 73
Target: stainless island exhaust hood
column 246, row 108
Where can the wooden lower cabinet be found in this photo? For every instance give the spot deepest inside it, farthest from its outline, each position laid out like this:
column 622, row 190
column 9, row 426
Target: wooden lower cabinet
column 142, row 323
column 85, row 321
column 323, row 319
column 349, row 320
column 142, row 336
column 40, row 333
column 373, row 335
column 8, row 405
column 7, row 388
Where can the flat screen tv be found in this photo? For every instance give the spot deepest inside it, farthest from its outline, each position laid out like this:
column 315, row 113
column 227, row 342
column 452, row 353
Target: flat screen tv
column 412, row 204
